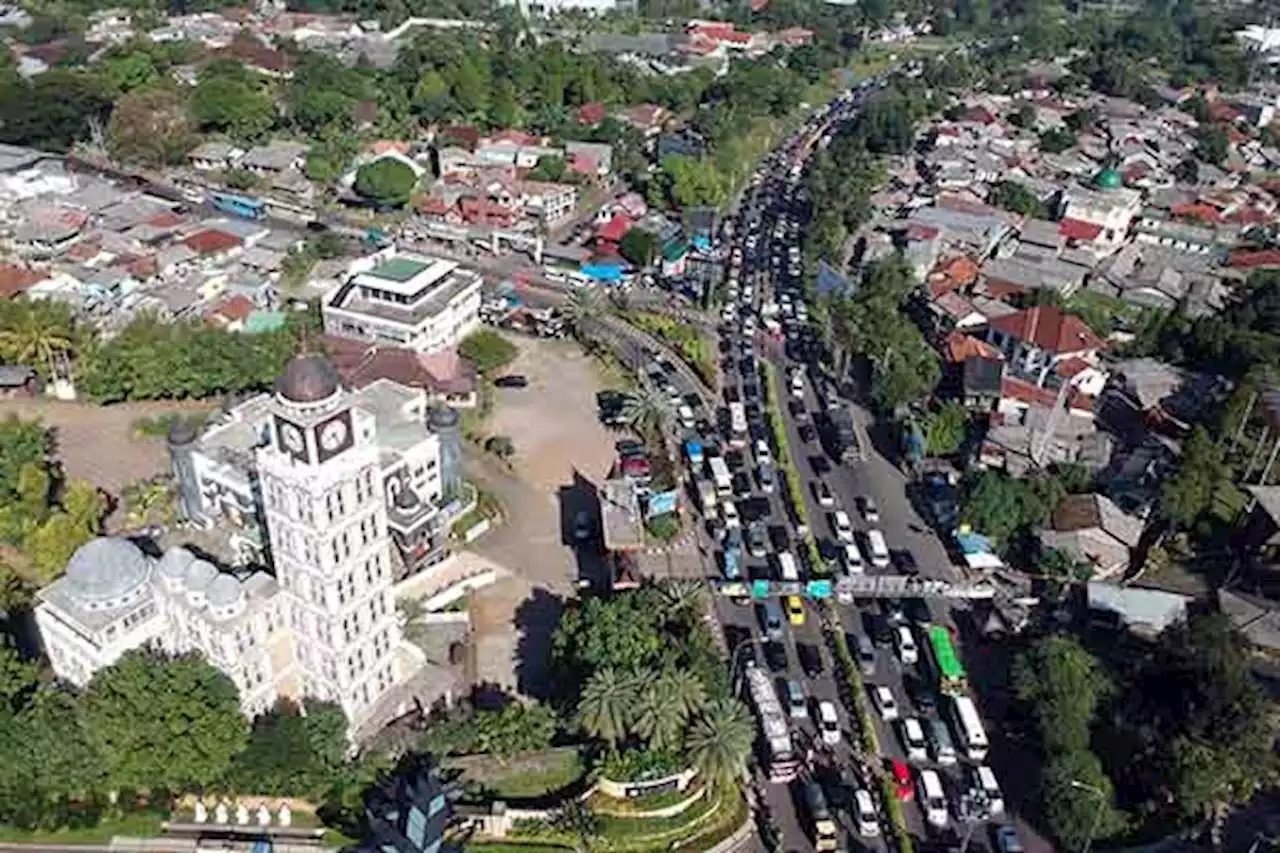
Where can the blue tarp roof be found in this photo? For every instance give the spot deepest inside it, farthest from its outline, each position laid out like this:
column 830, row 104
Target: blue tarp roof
column 603, row 272
column 974, row 543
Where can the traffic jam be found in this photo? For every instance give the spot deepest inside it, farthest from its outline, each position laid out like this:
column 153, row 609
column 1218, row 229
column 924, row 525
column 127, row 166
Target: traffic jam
column 817, row 792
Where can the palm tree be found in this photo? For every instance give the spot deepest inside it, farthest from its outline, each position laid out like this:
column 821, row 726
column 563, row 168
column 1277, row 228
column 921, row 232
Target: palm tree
column 657, row 719
column 645, row 411
column 605, row 708
column 36, row 332
column 719, row 741
column 585, row 308
column 681, row 598
column 576, row 818
column 686, row 691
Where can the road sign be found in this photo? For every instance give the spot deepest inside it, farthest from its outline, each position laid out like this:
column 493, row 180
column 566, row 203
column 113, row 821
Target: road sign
column 818, row 589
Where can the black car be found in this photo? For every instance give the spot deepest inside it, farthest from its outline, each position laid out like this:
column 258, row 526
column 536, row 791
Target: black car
column 878, row 628
column 779, row 538
column 905, row 562
column 733, row 459
column 775, row 654
column 797, row 408
column 810, row 659
column 741, row 485
column 807, row 433
column 921, row 695
column 734, row 636
column 893, row 610
column 819, row 464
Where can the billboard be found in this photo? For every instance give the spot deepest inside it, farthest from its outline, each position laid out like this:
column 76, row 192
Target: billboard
column 662, row 503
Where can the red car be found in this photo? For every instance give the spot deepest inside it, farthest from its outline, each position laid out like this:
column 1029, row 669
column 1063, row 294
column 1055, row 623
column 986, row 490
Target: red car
column 902, row 779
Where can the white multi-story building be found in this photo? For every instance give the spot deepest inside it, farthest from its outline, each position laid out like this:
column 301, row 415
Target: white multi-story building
column 407, row 300
column 345, row 482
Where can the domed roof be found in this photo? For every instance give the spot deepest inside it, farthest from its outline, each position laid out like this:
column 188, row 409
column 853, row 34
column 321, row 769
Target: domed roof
column 200, row 574
column 1109, row 179
column 308, row 378
column 106, row 568
column 224, row 591
column 175, row 562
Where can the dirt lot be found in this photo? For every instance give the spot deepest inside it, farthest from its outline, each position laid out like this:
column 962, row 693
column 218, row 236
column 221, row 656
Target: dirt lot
column 96, row 443
column 562, row 455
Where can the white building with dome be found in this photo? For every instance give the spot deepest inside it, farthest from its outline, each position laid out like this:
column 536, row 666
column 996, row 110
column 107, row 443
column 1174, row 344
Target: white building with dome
column 322, row 624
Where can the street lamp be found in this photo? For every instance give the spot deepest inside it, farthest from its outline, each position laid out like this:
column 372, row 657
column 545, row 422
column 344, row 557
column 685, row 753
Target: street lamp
column 1097, row 815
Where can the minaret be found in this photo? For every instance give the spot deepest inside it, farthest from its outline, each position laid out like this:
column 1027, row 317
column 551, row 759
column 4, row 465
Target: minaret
column 326, row 516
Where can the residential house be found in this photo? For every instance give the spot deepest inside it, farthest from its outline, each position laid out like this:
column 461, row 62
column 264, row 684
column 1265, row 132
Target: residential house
column 1145, row 613
column 212, row 244
column 1037, row 340
column 685, row 142
column 647, row 119
column 1023, row 273
column 1092, row 528
column 49, row 230
column 274, row 158
column 15, row 279
column 552, row 203
column 1100, row 218
column 591, row 159
column 1259, row 528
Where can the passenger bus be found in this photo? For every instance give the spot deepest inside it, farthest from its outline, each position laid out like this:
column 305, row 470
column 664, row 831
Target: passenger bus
column 245, row 207
column 945, row 662
column 968, row 728
column 737, row 425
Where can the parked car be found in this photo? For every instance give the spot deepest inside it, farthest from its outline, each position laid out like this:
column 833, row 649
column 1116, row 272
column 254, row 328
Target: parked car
column 826, row 498
column 512, row 380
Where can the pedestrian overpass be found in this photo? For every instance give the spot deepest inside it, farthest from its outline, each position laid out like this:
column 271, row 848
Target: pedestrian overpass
column 845, row 589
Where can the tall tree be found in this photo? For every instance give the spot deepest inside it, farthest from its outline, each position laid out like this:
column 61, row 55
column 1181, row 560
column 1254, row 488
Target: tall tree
column 164, row 722
column 607, row 704
column 1064, row 684
column 719, row 741
column 150, row 127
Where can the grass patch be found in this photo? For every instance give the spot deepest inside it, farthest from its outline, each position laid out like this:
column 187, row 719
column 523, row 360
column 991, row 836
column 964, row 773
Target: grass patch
column 487, row 507
column 514, row 847
column 531, row 784
column 603, row 803
column 141, row 825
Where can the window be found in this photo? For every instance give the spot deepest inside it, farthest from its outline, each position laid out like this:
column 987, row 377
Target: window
column 416, row 827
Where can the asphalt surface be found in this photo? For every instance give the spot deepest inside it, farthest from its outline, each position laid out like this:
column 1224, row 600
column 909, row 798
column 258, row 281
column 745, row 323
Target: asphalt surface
column 765, row 263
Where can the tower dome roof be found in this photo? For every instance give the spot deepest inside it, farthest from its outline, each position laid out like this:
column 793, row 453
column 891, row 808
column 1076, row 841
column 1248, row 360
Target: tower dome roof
column 224, row 591
column 1109, row 179
column 105, row 569
column 175, row 562
column 200, row 573
column 308, row 378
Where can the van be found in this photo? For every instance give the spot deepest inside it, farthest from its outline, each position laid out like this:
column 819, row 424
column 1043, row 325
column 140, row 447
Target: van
column 879, row 550
column 787, row 569
column 771, row 620
column 940, row 745
column 932, row 799
column 983, row 782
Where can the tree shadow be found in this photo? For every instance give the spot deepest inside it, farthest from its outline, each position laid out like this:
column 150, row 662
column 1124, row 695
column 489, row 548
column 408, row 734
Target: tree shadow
column 535, row 622
column 579, row 501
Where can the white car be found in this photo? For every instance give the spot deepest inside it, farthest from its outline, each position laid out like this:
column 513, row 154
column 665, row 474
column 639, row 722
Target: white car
column 762, row 452
column 828, row 722
column 870, row 511
column 885, row 703
column 826, row 498
column 843, row 526
column 797, row 386
column 729, row 511
column 868, row 820
column 933, row 801
column 913, row 743
column 908, row 653
column 852, row 559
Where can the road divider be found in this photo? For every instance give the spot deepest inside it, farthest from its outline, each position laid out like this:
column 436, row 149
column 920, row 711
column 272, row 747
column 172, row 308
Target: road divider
column 787, row 469
column 854, row 694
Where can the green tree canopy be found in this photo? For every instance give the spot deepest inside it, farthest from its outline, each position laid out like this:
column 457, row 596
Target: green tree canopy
column 1201, row 472
column 150, row 127
column 164, row 722
column 1064, row 684
column 229, row 99
column 639, row 246
column 386, row 182
column 488, row 350
column 289, row 754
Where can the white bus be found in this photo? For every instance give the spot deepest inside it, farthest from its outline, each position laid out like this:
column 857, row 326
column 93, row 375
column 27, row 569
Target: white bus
column 737, row 425
column 968, row 727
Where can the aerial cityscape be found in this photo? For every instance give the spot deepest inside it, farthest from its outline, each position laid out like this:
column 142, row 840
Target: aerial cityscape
column 639, row 425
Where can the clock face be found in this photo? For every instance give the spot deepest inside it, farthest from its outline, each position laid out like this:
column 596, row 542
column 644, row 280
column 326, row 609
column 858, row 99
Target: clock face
column 292, row 438
column 332, row 435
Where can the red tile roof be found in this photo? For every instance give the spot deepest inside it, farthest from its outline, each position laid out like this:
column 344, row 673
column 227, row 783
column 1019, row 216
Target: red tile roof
column 166, row 219
column 1197, row 210
column 615, row 229
column 1255, row 259
column 1069, row 367
column 952, row 274
column 1012, row 388
column 1049, row 328
column 959, row 347
column 211, row 241
column 235, row 309
column 1078, row 229
column 15, row 279
column 592, row 113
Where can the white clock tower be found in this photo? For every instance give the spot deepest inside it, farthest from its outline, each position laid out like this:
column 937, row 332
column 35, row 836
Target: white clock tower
column 326, row 514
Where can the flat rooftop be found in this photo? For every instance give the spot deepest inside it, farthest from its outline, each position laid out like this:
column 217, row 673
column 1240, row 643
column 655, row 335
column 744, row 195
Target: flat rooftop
column 406, row 275
column 621, row 516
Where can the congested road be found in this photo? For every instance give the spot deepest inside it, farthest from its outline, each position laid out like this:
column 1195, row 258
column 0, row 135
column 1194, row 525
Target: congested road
column 763, row 320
